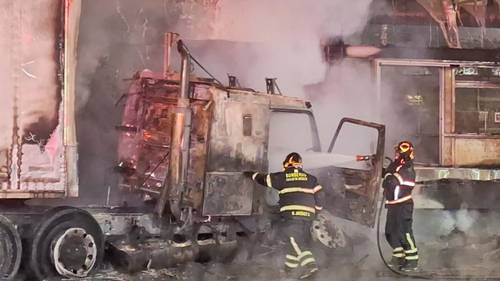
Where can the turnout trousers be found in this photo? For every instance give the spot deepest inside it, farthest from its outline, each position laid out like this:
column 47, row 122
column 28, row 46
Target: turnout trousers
column 399, row 232
column 299, row 260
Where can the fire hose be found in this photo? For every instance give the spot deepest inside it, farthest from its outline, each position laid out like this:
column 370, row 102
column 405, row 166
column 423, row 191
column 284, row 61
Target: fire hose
column 379, row 215
column 421, row 275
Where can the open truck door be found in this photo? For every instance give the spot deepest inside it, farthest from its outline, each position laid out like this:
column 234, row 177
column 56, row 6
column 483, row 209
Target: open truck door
column 351, row 185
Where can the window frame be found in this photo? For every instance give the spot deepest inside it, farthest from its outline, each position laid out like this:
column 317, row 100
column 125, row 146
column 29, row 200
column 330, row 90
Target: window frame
column 316, row 144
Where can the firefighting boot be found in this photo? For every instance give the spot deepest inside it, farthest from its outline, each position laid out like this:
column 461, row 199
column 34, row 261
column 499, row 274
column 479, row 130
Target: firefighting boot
column 410, row 266
column 308, row 271
column 396, row 262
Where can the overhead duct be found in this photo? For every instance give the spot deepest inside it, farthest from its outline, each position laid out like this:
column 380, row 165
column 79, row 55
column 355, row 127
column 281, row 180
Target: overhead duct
column 447, row 14
column 444, row 12
column 478, row 10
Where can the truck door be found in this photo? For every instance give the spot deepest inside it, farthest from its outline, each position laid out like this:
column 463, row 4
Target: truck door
column 352, row 183
column 238, row 142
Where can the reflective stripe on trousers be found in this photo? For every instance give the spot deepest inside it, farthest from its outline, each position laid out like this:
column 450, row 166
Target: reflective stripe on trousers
column 412, row 253
column 298, row 257
column 398, row 252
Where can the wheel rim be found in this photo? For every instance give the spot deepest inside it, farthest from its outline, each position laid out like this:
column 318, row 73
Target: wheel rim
column 67, row 242
column 74, row 253
column 10, row 249
column 327, row 233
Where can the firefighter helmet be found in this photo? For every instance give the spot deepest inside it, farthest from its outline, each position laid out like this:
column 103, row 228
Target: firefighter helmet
column 406, row 150
column 292, row 159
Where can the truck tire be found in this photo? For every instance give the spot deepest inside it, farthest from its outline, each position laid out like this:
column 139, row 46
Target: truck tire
column 330, row 241
column 68, row 242
column 10, row 249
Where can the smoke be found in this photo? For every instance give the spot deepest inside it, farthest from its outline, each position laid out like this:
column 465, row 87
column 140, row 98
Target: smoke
column 282, row 39
column 117, row 39
column 347, row 91
column 288, row 21
column 90, row 54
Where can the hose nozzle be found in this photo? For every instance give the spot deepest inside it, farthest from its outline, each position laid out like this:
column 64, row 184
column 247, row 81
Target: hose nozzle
column 364, row 157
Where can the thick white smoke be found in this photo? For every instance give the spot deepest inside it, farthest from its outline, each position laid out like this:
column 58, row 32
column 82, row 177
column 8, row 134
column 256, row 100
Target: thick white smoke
column 289, row 33
column 281, row 39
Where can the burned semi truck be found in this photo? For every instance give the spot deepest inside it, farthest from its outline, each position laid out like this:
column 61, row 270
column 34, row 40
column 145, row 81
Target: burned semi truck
column 183, row 143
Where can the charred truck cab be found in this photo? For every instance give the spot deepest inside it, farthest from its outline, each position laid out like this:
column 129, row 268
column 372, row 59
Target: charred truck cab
column 189, row 163
column 183, row 143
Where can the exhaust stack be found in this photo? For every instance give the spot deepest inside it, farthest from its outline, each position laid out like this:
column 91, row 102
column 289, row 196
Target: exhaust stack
column 174, row 186
column 169, row 40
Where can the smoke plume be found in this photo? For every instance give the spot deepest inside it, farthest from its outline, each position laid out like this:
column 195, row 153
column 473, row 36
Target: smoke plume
column 285, row 39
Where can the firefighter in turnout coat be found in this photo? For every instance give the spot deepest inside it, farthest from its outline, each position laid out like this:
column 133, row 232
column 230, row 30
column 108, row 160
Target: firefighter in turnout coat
column 398, row 183
column 299, row 202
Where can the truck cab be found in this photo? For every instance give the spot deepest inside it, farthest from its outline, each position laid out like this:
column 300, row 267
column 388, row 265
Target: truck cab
column 183, row 144
column 232, row 130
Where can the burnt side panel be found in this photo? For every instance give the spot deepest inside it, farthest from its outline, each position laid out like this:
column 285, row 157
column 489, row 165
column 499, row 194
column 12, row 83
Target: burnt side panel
column 238, row 142
column 31, row 139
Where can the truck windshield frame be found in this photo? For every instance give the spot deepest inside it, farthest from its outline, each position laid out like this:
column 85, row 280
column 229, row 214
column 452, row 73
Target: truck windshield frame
column 316, row 144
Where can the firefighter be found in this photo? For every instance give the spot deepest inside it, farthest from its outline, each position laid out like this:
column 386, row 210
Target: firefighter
column 398, row 183
column 299, row 202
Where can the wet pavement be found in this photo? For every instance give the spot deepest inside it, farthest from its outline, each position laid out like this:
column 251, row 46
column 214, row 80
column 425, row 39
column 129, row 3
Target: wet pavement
column 361, row 263
column 267, row 269
column 240, row 272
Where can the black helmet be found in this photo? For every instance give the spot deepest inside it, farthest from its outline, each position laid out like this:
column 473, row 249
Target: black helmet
column 292, row 159
column 406, row 150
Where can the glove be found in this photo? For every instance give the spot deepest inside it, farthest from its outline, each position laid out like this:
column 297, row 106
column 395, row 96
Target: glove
column 248, row 174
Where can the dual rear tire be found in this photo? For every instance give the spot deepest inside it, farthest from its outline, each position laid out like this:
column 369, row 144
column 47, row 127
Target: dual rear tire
column 67, row 241
column 10, row 249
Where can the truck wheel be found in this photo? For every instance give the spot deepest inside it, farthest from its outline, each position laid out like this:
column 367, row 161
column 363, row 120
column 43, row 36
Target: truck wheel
column 330, row 240
column 68, row 242
column 10, row 249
